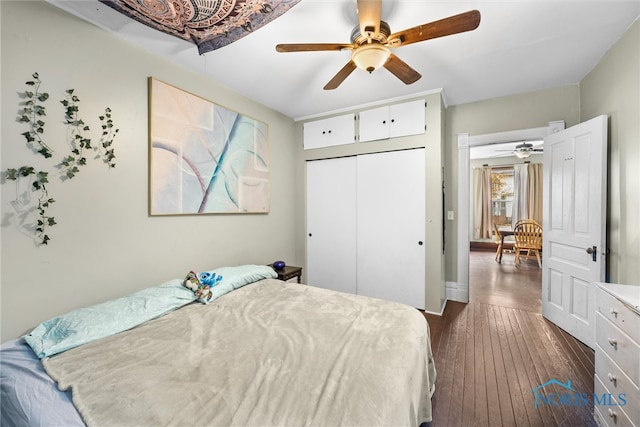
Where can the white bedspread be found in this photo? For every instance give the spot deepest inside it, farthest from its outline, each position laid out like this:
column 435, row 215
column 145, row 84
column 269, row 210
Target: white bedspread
column 270, row 353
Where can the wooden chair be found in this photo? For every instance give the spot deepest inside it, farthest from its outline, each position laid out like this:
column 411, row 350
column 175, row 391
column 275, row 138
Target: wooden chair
column 528, row 237
column 499, row 240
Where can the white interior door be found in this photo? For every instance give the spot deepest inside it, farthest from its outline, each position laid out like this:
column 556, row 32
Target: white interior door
column 331, row 224
column 574, row 231
column 391, row 226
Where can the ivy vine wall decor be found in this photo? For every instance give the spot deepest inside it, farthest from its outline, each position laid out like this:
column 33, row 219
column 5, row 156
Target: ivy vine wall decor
column 33, row 213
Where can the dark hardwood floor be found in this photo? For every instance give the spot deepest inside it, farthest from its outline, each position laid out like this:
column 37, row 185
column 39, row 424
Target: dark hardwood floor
column 492, row 352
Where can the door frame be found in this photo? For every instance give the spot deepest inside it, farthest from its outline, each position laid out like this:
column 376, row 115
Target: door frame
column 459, row 290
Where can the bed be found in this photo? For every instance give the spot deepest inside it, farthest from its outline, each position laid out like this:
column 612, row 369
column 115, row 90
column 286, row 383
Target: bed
column 265, row 352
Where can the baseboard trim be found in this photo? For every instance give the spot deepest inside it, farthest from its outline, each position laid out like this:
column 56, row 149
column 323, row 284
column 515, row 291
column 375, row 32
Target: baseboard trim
column 457, row 292
column 444, row 304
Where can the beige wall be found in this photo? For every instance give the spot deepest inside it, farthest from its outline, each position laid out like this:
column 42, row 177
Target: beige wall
column 613, row 88
column 105, row 245
column 530, row 110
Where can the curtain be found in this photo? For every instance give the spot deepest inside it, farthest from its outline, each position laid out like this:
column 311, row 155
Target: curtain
column 534, row 173
column 527, row 192
column 520, row 193
column 482, row 226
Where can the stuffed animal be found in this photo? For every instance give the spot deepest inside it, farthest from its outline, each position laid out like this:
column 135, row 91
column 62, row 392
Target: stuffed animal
column 210, row 279
column 207, row 281
column 201, row 284
column 191, row 281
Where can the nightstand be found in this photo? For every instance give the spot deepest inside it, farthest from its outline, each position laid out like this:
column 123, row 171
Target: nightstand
column 288, row 272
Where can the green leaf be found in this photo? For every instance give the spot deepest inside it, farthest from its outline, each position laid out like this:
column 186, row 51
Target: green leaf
column 26, row 170
column 12, row 174
column 45, row 152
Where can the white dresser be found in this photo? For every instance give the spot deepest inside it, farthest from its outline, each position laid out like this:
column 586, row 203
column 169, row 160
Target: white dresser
column 617, row 355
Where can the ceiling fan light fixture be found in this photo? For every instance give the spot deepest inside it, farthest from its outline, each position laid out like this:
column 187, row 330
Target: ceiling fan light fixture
column 370, row 57
column 523, row 154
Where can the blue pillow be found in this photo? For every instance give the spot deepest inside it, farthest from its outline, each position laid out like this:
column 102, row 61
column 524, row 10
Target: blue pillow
column 236, row 277
column 98, row 321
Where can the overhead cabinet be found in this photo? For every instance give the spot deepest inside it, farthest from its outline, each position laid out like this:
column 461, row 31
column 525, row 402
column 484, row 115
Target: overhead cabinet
column 392, row 121
column 366, row 225
column 328, row 132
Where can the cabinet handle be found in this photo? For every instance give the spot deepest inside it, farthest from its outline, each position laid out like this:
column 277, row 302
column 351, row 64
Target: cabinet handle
column 612, row 378
column 420, row 242
column 613, row 342
column 329, row 131
column 393, row 120
column 384, row 122
column 612, row 413
column 310, row 234
column 613, row 311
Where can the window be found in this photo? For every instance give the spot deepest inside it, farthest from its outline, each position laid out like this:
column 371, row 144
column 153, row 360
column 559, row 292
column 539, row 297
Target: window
column 502, row 195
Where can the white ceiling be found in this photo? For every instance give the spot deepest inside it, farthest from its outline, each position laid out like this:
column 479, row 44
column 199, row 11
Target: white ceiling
column 520, row 46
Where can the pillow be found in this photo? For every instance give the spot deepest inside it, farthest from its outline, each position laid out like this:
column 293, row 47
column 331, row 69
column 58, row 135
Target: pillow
column 98, row 321
column 239, row 276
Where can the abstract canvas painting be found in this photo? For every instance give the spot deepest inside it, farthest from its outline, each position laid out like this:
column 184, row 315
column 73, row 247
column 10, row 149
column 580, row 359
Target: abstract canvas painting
column 204, row 158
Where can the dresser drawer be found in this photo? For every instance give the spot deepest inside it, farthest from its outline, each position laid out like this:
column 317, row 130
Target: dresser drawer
column 611, row 415
column 617, row 382
column 619, row 347
column 619, row 314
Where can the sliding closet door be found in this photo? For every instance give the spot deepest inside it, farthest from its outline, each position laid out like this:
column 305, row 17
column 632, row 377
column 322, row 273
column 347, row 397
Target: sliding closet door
column 391, row 226
column 331, row 224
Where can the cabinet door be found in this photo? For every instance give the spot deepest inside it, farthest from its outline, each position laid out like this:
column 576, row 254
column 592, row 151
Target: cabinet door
column 342, row 129
column 331, row 224
column 391, row 226
column 328, row 132
column 407, row 119
column 314, row 134
column 374, row 124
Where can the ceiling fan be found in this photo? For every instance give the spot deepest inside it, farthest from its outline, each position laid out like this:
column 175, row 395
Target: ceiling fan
column 525, row 150
column 372, row 41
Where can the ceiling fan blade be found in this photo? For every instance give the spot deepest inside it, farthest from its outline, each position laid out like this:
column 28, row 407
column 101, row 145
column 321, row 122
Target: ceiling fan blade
column 401, row 70
column 466, row 21
column 310, row 47
column 369, row 12
column 342, row 74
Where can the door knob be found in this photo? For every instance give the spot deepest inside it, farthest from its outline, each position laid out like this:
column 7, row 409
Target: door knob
column 593, row 251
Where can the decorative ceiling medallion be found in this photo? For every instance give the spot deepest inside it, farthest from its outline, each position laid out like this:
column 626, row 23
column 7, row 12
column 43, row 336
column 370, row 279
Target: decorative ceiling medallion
column 210, row 24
